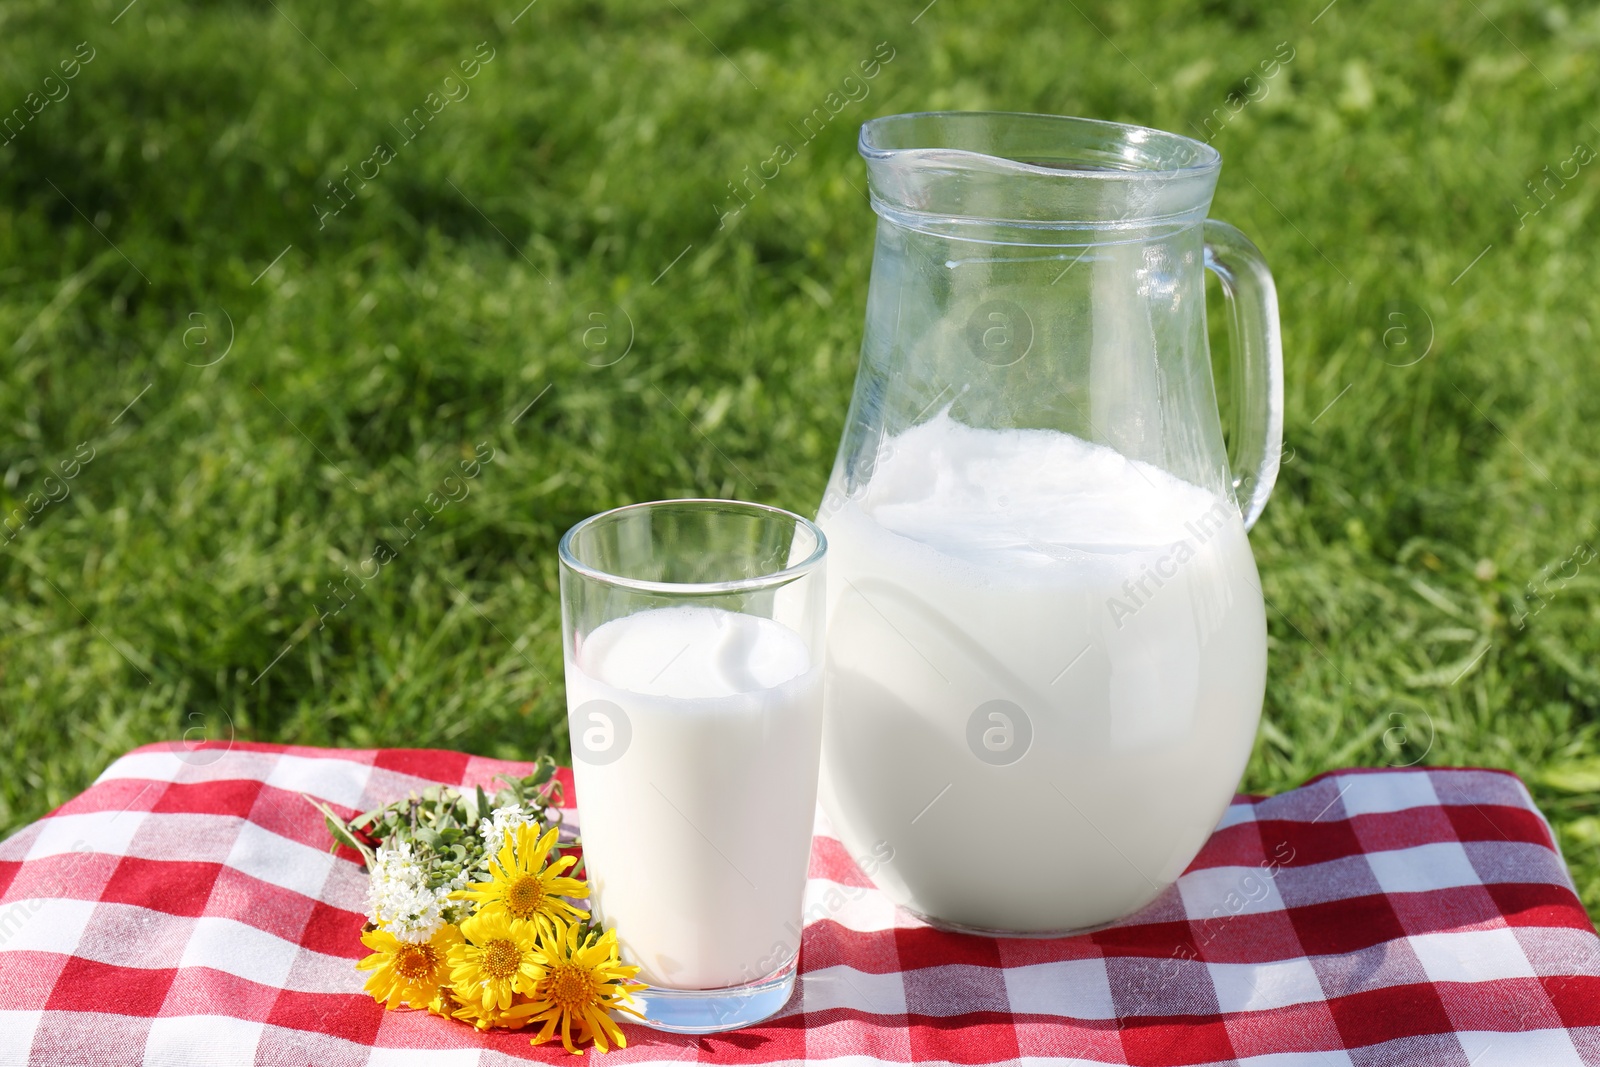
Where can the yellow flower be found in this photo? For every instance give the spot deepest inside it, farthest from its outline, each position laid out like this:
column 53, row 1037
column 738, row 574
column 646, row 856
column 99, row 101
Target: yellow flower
column 583, row 978
column 521, row 884
column 498, row 959
column 444, row 1003
column 446, row 1006
column 483, row 1018
column 408, row 972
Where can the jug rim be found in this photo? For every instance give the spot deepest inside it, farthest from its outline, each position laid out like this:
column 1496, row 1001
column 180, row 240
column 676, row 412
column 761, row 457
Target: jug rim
column 1201, row 158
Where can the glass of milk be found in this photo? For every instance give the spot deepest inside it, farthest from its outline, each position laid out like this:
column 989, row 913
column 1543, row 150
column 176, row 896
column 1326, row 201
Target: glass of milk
column 693, row 633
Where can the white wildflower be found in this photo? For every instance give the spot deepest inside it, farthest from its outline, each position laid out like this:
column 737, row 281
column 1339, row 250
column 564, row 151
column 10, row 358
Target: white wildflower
column 506, row 817
column 399, row 898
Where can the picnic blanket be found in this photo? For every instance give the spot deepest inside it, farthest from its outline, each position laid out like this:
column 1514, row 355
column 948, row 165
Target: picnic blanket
column 186, row 910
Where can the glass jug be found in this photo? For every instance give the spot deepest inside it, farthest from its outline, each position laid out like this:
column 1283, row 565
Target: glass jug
column 1046, row 639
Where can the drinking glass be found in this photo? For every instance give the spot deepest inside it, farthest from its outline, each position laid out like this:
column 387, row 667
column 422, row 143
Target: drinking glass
column 693, row 636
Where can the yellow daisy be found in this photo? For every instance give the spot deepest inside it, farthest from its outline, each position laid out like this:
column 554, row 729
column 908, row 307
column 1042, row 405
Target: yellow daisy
column 444, row 1003
column 583, row 979
column 498, row 959
column 521, row 883
column 446, row 1006
column 407, row 972
column 483, row 1018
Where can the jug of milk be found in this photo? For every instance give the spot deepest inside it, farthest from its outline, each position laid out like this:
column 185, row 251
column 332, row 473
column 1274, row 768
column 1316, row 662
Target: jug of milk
column 1046, row 646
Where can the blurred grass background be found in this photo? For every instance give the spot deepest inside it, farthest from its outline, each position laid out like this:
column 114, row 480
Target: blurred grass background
column 268, row 390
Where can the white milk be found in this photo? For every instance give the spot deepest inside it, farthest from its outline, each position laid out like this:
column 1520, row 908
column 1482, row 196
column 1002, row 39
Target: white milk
column 1112, row 611
column 697, row 835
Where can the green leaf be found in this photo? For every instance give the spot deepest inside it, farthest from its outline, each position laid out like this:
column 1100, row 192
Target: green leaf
column 339, row 831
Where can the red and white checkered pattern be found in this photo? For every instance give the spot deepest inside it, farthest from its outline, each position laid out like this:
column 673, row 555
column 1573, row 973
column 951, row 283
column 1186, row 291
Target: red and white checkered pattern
column 185, row 910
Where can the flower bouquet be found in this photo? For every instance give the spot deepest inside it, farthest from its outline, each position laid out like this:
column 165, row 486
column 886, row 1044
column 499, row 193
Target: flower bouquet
column 471, row 913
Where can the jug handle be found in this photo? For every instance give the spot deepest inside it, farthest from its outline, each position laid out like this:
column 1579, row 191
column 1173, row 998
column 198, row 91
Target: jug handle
column 1252, row 301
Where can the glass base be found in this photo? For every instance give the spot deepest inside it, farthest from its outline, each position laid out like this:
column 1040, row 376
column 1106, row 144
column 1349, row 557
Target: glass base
column 712, row 1011
column 984, row 931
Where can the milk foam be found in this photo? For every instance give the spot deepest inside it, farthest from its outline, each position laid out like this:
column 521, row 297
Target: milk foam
column 1024, row 498
column 693, row 653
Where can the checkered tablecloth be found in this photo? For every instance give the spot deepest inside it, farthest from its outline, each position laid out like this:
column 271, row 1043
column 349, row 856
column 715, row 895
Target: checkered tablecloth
column 185, row 910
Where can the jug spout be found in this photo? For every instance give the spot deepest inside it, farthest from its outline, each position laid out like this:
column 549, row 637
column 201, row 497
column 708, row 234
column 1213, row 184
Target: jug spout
column 1034, row 179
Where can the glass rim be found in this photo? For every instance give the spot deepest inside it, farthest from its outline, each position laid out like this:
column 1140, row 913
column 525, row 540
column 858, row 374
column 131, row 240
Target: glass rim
column 569, row 559
column 1202, row 157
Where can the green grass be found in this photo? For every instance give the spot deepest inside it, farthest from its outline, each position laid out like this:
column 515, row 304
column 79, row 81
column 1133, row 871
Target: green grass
column 594, row 150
